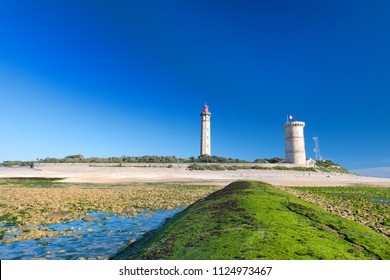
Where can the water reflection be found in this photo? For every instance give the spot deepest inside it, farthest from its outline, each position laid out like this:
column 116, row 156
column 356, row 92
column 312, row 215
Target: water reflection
column 382, row 200
column 96, row 239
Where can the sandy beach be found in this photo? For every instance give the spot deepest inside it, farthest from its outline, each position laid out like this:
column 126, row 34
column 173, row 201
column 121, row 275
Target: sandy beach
column 160, row 173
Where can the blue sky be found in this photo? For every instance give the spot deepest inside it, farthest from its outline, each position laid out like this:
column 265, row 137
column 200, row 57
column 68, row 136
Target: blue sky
column 112, row 78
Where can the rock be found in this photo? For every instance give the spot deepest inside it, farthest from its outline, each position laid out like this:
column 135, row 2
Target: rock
column 89, row 229
column 61, row 251
column 90, row 218
column 57, row 216
column 81, row 258
column 7, row 241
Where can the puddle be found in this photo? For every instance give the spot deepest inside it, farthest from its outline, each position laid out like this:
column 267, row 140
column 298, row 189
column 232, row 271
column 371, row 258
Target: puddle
column 95, row 239
column 382, row 200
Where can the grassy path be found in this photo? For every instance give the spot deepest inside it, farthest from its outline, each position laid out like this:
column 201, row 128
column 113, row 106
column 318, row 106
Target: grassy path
column 254, row 220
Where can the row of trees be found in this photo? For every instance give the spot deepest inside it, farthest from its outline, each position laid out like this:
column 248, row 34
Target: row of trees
column 78, row 158
column 141, row 159
column 17, row 163
column 270, row 160
column 123, row 159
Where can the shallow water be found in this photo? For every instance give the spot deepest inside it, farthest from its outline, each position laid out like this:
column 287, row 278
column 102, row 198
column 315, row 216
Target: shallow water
column 96, row 239
column 383, row 200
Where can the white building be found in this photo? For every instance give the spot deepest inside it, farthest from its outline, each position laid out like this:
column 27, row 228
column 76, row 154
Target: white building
column 205, row 148
column 294, row 141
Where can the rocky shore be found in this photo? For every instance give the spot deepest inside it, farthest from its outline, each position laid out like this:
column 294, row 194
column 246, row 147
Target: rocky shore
column 125, row 189
column 25, row 203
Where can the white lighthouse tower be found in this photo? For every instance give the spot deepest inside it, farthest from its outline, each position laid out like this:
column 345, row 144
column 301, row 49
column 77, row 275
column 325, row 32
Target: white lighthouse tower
column 294, row 142
column 205, row 148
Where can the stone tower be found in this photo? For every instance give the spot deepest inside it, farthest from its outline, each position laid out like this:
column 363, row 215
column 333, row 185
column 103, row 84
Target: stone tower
column 205, row 132
column 294, row 142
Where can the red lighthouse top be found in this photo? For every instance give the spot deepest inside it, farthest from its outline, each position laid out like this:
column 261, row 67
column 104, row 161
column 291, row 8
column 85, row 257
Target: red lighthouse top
column 205, row 108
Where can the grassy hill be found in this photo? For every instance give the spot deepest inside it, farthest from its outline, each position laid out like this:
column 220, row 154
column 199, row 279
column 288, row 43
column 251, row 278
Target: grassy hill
column 254, row 220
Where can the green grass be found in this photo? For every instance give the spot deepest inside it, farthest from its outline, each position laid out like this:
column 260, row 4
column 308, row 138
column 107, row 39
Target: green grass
column 254, row 220
column 330, row 166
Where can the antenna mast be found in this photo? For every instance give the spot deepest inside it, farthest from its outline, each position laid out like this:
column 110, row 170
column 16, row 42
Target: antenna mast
column 317, row 148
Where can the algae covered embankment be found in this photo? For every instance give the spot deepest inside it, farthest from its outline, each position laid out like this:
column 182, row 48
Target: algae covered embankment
column 254, row 220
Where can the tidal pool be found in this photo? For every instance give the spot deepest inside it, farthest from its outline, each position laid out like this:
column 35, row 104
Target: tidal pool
column 383, row 200
column 88, row 239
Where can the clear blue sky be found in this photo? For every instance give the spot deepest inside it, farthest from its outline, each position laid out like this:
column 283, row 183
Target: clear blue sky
column 112, row 78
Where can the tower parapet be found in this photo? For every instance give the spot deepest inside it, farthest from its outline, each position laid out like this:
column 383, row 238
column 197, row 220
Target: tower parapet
column 205, row 147
column 295, row 142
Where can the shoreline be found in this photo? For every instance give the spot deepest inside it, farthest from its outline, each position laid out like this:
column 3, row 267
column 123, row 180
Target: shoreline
column 178, row 174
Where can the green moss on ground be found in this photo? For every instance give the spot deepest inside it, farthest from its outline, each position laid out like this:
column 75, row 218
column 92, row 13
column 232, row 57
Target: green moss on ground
column 254, row 220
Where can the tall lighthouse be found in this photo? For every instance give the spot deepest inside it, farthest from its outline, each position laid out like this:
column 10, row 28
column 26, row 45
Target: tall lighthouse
column 205, row 132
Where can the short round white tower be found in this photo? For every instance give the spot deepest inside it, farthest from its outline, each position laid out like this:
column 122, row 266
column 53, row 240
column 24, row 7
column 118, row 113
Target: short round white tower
column 205, row 148
column 294, row 141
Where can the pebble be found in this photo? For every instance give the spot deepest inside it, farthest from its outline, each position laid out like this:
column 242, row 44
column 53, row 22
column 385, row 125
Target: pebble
column 91, row 218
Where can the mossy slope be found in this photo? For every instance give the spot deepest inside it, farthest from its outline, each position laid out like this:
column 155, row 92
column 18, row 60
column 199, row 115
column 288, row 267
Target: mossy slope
column 254, row 220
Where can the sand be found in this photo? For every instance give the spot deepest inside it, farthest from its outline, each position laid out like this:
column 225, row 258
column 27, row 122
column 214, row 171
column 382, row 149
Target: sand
column 160, row 173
